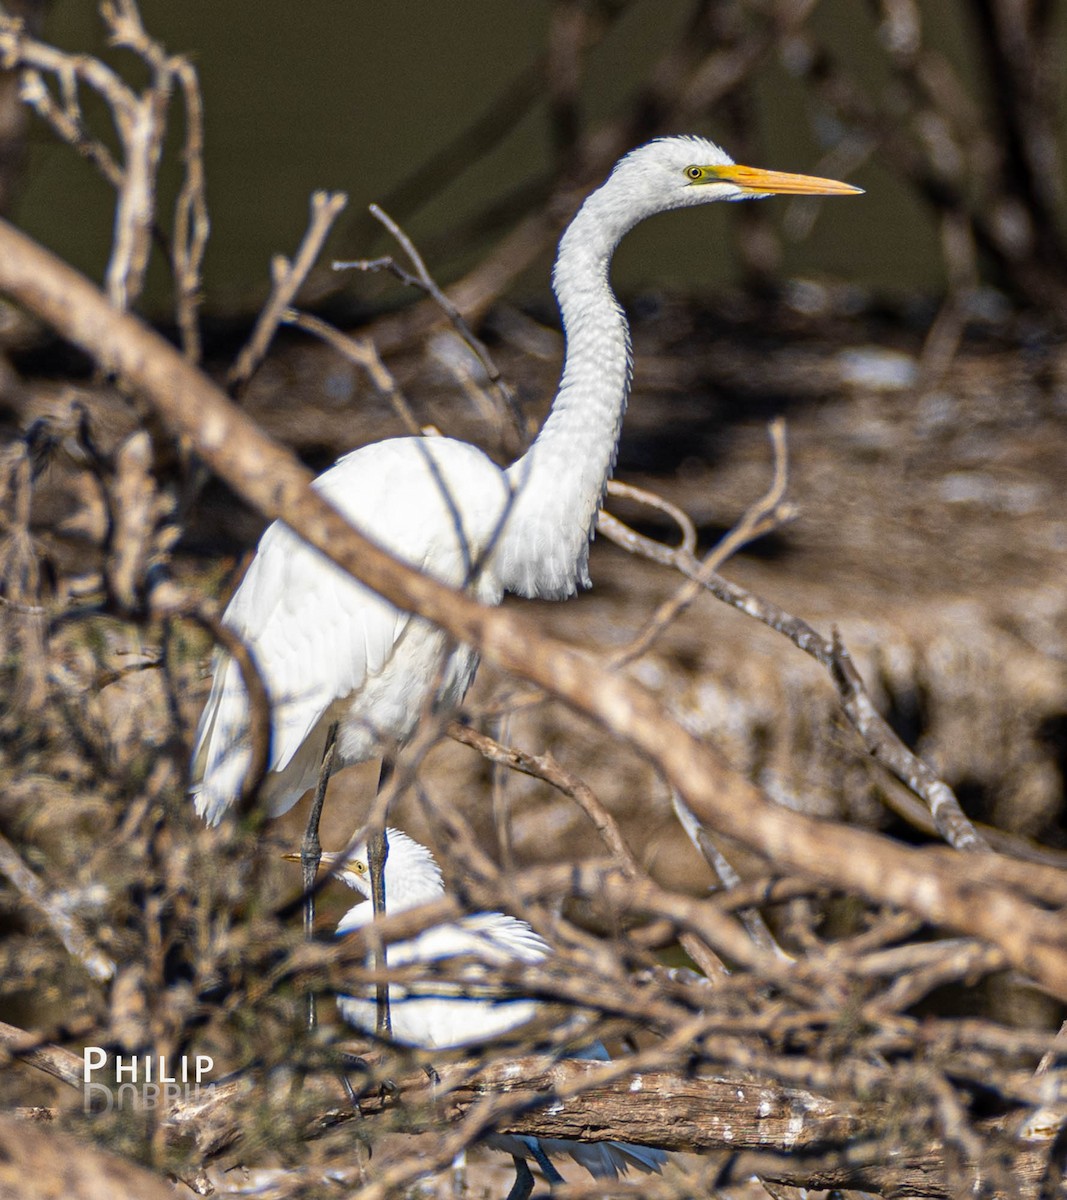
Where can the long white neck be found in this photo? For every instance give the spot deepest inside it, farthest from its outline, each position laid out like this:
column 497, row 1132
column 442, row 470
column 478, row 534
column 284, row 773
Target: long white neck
column 559, row 483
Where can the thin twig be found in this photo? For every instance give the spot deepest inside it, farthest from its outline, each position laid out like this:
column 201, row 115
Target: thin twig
column 423, row 280
column 288, row 277
column 64, row 924
column 362, row 352
column 769, row 512
column 545, row 767
column 951, row 822
column 191, row 224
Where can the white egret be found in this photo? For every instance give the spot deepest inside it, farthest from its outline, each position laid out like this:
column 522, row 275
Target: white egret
column 444, row 1018
column 338, row 659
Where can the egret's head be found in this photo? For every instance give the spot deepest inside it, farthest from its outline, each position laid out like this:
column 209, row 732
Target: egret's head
column 678, row 172
column 412, row 876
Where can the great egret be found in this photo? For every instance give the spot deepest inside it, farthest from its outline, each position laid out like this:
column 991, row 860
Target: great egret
column 446, row 1018
column 333, row 654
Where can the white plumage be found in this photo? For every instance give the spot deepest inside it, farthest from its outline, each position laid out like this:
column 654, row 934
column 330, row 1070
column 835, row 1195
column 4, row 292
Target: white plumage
column 329, row 649
column 438, row 1016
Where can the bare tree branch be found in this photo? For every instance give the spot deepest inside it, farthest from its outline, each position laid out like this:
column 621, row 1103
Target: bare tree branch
column 1033, row 940
column 287, row 280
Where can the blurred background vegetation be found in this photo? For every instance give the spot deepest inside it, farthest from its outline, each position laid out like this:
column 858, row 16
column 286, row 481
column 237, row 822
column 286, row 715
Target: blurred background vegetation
column 937, row 108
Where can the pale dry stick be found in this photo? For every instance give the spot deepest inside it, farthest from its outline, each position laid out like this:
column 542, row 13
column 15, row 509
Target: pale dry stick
column 64, row 923
column 485, row 880
column 958, row 961
column 585, row 988
column 191, row 222
column 23, row 583
column 768, row 513
column 766, row 891
column 623, row 894
column 1059, row 1046
column 896, row 927
column 728, row 877
column 499, row 798
column 287, row 279
column 627, row 491
column 1049, row 1120
column 883, row 744
column 545, row 767
column 965, row 1158
column 136, row 122
column 133, row 505
column 423, row 280
column 952, row 822
column 53, row 1060
column 851, row 859
column 65, row 119
column 140, row 122
column 142, row 127
column 1039, row 880
column 362, row 352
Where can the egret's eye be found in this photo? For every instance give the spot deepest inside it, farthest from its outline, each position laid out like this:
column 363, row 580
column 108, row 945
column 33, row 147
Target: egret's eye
column 360, row 868
column 693, row 172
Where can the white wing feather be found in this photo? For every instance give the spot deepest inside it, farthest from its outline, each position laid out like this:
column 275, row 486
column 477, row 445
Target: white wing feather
column 317, row 635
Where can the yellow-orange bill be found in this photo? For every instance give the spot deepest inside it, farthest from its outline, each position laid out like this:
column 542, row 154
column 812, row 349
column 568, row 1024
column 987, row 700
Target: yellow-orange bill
column 761, row 182
column 328, row 858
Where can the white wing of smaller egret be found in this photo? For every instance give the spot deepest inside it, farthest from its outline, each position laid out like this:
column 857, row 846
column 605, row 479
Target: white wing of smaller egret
column 435, row 1013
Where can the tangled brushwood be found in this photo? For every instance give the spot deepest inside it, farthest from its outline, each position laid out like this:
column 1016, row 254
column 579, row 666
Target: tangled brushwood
column 739, row 831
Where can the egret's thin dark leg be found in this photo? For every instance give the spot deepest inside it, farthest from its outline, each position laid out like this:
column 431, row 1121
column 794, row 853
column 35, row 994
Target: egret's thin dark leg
column 547, row 1169
column 524, row 1180
column 311, row 855
column 352, row 1062
column 377, row 852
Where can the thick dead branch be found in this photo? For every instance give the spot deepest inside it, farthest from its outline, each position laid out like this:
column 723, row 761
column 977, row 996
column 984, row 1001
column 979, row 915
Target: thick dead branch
column 791, row 1135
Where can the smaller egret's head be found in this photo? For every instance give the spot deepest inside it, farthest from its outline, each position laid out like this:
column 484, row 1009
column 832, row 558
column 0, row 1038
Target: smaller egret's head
column 679, row 172
column 412, row 876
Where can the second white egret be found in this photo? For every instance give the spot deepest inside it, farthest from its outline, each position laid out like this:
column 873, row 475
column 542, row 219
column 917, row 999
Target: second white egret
column 440, row 1016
